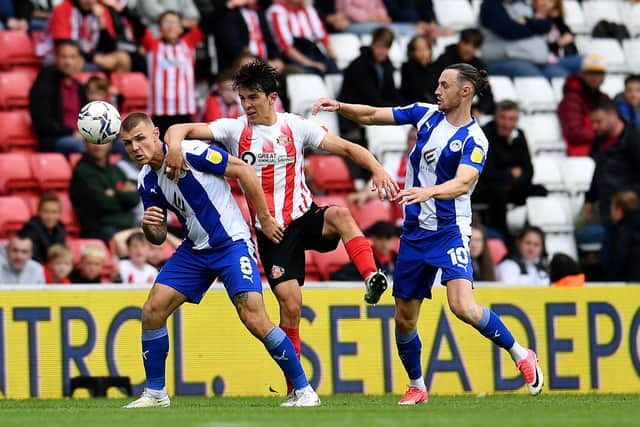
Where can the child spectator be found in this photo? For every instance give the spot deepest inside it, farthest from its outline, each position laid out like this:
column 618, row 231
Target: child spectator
column 629, row 102
column 59, row 265
column 99, row 89
column 45, row 229
column 223, row 100
column 137, row 269
column 89, row 268
column 528, row 265
column 625, row 248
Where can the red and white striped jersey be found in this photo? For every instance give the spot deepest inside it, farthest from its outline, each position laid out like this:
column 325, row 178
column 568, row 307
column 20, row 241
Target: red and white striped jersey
column 171, row 73
column 302, row 22
column 277, row 154
column 257, row 44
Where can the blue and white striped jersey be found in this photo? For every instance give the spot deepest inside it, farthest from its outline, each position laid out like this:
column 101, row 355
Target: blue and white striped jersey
column 201, row 198
column 440, row 148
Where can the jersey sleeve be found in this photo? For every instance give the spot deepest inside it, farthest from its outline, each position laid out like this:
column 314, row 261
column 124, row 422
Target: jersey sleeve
column 223, row 131
column 311, row 131
column 205, row 158
column 474, row 153
column 148, row 194
column 413, row 113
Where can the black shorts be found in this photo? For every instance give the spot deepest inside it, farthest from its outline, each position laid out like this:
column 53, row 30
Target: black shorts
column 286, row 260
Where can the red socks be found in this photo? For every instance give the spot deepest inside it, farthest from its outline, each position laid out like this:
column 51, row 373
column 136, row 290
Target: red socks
column 360, row 252
column 294, row 336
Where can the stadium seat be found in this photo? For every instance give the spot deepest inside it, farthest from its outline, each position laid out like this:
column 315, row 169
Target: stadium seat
column 535, row 94
column 326, row 119
column 597, row 10
column 303, row 91
column 574, row 17
column 552, row 213
column 329, row 174
column 631, row 18
column 16, row 50
column 134, row 88
column 442, row 42
column 15, row 174
column 332, row 200
column 561, row 243
column 543, row 133
column 398, row 52
column 68, row 217
column 346, row 46
column 578, row 173
column 503, row 88
column 383, row 139
column 457, row 14
column 13, row 214
column 16, row 132
column 333, row 82
column 631, row 48
column 610, row 49
column 311, row 269
column 371, row 212
column 84, row 76
column 73, row 159
column 557, row 83
column 498, row 250
column 14, row 89
column 328, row 262
column 76, row 246
column 51, row 170
column 613, row 85
column 546, row 171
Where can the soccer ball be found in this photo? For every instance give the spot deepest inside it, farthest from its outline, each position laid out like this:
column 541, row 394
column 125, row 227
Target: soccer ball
column 99, row 122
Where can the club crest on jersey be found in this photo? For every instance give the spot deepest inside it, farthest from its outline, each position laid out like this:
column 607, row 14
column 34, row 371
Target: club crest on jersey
column 455, row 145
column 284, row 140
column 276, row 272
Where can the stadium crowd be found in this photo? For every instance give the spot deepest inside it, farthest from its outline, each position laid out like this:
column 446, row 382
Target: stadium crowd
column 559, row 195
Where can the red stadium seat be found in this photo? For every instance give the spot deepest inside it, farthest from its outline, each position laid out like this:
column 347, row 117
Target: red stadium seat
column 73, row 159
column 371, row 212
column 332, row 200
column 329, row 173
column 14, row 212
column 15, row 174
column 76, row 245
column 134, row 89
column 84, row 76
column 51, row 170
column 498, row 250
column 14, row 89
column 311, row 269
column 16, row 133
column 329, row 262
column 16, row 50
column 68, row 218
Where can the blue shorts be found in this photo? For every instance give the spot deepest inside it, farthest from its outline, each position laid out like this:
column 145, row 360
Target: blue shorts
column 419, row 260
column 192, row 272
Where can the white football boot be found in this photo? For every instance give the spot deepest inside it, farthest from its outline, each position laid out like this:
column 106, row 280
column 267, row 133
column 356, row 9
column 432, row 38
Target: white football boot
column 150, row 400
column 304, row 397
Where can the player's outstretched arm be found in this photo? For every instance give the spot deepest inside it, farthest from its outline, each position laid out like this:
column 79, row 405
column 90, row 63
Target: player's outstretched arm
column 363, row 114
column 154, row 225
column 381, row 181
column 240, row 170
column 174, row 136
column 465, row 177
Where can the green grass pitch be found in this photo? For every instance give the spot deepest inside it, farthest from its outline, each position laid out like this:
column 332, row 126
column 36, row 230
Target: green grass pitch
column 336, row 411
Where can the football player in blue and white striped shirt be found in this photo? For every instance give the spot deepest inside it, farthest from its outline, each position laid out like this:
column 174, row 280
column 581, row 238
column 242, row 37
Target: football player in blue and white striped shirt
column 442, row 171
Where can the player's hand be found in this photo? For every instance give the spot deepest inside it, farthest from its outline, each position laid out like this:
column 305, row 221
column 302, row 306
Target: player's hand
column 272, row 229
column 382, row 182
column 174, row 163
column 325, row 104
column 153, row 216
column 409, row 196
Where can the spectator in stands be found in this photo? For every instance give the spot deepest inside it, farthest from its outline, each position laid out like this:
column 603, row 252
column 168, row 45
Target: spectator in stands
column 59, row 265
column 565, row 272
column 239, row 26
column 10, row 18
column 528, row 264
column 137, row 269
column 623, row 266
column 36, row 12
column 16, row 265
column 364, row 15
column 418, row 72
column 89, row 269
column 45, row 229
column 411, row 17
column 153, row 10
column 55, row 100
column 298, row 29
column 629, row 101
column 223, row 101
column 481, row 260
column 101, row 195
column 516, row 40
column 335, row 21
column 508, row 170
column 581, row 93
column 465, row 51
column 369, row 78
column 560, row 40
column 171, row 69
column 383, row 237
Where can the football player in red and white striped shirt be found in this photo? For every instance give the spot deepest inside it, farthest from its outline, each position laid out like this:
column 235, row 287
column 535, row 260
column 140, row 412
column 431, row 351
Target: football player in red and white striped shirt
column 297, row 28
column 273, row 143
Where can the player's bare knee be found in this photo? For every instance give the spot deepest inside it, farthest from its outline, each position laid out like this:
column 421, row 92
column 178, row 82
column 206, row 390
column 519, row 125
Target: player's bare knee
column 339, row 218
column 463, row 310
column 153, row 316
column 405, row 324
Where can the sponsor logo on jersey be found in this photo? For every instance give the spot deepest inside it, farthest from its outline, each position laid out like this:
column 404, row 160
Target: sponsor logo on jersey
column 477, row 155
column 430, row 155
column 214, row 156
column 266, row 159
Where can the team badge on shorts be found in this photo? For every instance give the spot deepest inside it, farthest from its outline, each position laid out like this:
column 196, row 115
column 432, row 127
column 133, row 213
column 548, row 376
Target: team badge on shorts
column 276, row 272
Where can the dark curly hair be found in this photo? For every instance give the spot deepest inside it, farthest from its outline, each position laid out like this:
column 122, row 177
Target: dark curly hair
column 258, row 76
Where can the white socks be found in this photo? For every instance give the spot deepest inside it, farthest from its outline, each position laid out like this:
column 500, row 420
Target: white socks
column 419, row 383
column 518, row 352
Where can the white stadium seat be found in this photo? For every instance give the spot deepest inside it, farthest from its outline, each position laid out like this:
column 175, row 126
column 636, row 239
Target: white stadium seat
column 557, row 83
column 631, row 17
column 597, row 10
column 535, row 94
column 546, row 171
column 328, row 120
column 577, row 173
column 613, row 85
column 386, row 139
column 503, row 88
column 543, row 133
column 303, row 91
column 442, row 42
column 631, row 49
column 574, row 17
column 346, row 46
column 551, row 213
column 610, row 49
column 333, row 83
column 456, row 14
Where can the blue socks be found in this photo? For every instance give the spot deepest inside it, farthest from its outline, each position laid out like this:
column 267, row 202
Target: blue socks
column 155, row 347
column 409, row 350
column 281, row 350
column 492, row 327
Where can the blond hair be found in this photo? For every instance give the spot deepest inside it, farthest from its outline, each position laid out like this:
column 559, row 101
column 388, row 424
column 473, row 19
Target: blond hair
column 57, row 251
column 92, row 250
